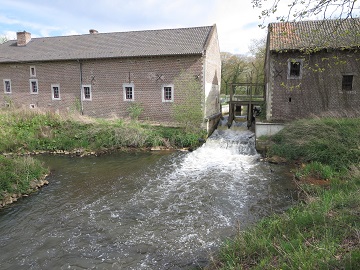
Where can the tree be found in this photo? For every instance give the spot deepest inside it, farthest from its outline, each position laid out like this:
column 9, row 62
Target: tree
column 303, row 9
column 232, row 70
column 187, row 108
column 240, row 69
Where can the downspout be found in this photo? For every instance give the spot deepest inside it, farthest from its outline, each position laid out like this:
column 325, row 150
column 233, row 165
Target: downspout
column 81, row 82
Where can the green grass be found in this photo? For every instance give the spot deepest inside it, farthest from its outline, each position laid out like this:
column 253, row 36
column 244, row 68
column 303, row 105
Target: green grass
column 16, row 174
column 26, row 132
column 331, row 141
column 23, row 131
column 323, row 230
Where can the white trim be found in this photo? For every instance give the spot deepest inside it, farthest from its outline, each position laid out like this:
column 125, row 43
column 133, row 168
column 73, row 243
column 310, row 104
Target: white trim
column 83, row 93
column 7, row 80
column 52, row 91
column 32, row 74
column 31, row 88
column 163, row 93
column 293, row 60
column 125, row 85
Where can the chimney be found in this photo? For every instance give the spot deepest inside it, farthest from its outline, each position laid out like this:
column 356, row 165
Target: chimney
column 93, row 31
column 23, row 38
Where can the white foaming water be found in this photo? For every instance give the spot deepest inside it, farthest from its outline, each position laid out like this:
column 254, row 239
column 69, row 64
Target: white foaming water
column 195, row 202
column 142, row 210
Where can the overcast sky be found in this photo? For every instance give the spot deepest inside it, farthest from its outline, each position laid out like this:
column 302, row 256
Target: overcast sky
column 236, row 20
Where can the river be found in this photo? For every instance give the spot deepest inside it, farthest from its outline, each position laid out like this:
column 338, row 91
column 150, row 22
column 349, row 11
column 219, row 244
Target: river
column 149, row 210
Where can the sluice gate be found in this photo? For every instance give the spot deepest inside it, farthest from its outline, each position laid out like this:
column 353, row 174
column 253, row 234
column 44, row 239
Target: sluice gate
column 245, row 102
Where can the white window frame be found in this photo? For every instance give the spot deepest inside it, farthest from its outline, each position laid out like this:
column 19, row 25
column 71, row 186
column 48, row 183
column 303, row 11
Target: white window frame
column 83, row 92
column 37, row 86
column 32, row 74
column 163, row 93
column 5, row 81
column 293, row 60
column 53, row 92
column 126, row 85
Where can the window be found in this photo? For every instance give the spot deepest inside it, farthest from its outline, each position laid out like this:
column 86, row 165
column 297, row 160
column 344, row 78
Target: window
column 347, row 82
column 295, row 68
column 34, row 86
column 86, row 93
column 128, row 89
column 7, row 86
column 32, row 71
column 55, row 92
column 168, row 93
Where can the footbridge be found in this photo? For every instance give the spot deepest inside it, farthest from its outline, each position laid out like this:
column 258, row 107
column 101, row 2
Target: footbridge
column 245, row 101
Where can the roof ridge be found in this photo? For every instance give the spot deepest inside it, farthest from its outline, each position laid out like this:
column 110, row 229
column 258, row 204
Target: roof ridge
column 122, row 32
column 317, row 20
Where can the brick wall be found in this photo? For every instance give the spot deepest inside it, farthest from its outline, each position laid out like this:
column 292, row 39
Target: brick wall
column 212, row 76
column 64, row 73
column 318, row 91
column 106, row 78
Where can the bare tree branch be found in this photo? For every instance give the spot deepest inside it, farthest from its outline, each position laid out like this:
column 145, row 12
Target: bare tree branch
column 304, row 9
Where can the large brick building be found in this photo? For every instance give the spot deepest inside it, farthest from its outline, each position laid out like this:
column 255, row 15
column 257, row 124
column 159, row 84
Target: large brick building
column 102, row 74
column 313, row 68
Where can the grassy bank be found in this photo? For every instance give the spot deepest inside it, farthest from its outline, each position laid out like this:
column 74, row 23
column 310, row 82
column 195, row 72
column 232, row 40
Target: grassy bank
column 19, row 176
column 23, row 132
column 323, row 230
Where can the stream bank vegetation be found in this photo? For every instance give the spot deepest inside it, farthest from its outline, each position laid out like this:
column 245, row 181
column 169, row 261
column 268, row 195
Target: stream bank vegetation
column 30, row 132
column 323, row 230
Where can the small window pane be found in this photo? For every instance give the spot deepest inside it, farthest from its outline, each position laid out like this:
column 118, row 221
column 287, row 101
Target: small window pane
column 32, row 71
column 129, row 92
column 7, row 87
column 56, row 92
column 167, row 93
column 34, row 87
column 87, row 93
column 347, row 82
column 295, row 69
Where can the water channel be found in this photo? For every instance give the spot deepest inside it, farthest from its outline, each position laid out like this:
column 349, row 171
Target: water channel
column 152, row 210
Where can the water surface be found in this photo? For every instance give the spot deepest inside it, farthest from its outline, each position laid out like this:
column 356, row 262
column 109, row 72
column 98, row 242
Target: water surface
column 153, row 210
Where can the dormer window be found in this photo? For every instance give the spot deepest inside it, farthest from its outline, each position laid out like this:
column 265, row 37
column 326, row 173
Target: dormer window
column 32, row 71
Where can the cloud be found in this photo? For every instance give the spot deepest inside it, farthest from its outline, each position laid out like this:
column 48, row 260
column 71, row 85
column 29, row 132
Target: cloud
column 234, row 18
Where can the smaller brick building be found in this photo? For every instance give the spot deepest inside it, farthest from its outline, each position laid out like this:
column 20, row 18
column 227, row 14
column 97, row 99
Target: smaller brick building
column 312, row 68
column 103, row 74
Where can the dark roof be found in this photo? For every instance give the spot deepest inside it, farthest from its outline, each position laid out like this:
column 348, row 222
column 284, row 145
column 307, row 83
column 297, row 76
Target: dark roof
column 182, row 41
column 326, row 34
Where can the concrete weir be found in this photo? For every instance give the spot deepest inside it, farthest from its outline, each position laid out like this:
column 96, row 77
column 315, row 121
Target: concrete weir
column 265, row 129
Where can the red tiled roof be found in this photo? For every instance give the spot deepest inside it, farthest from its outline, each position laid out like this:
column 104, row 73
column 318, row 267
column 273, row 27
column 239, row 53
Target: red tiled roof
column 326, row 34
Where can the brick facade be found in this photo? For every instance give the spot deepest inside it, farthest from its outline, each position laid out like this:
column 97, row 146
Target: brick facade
column 318, row 91
column 106, row 76
column 311, row 69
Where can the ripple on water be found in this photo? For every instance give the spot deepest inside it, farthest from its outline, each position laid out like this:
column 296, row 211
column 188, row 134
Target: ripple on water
column 141, row 210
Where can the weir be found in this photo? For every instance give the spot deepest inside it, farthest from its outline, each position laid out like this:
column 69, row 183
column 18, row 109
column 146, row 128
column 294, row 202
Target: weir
column 153, row 210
